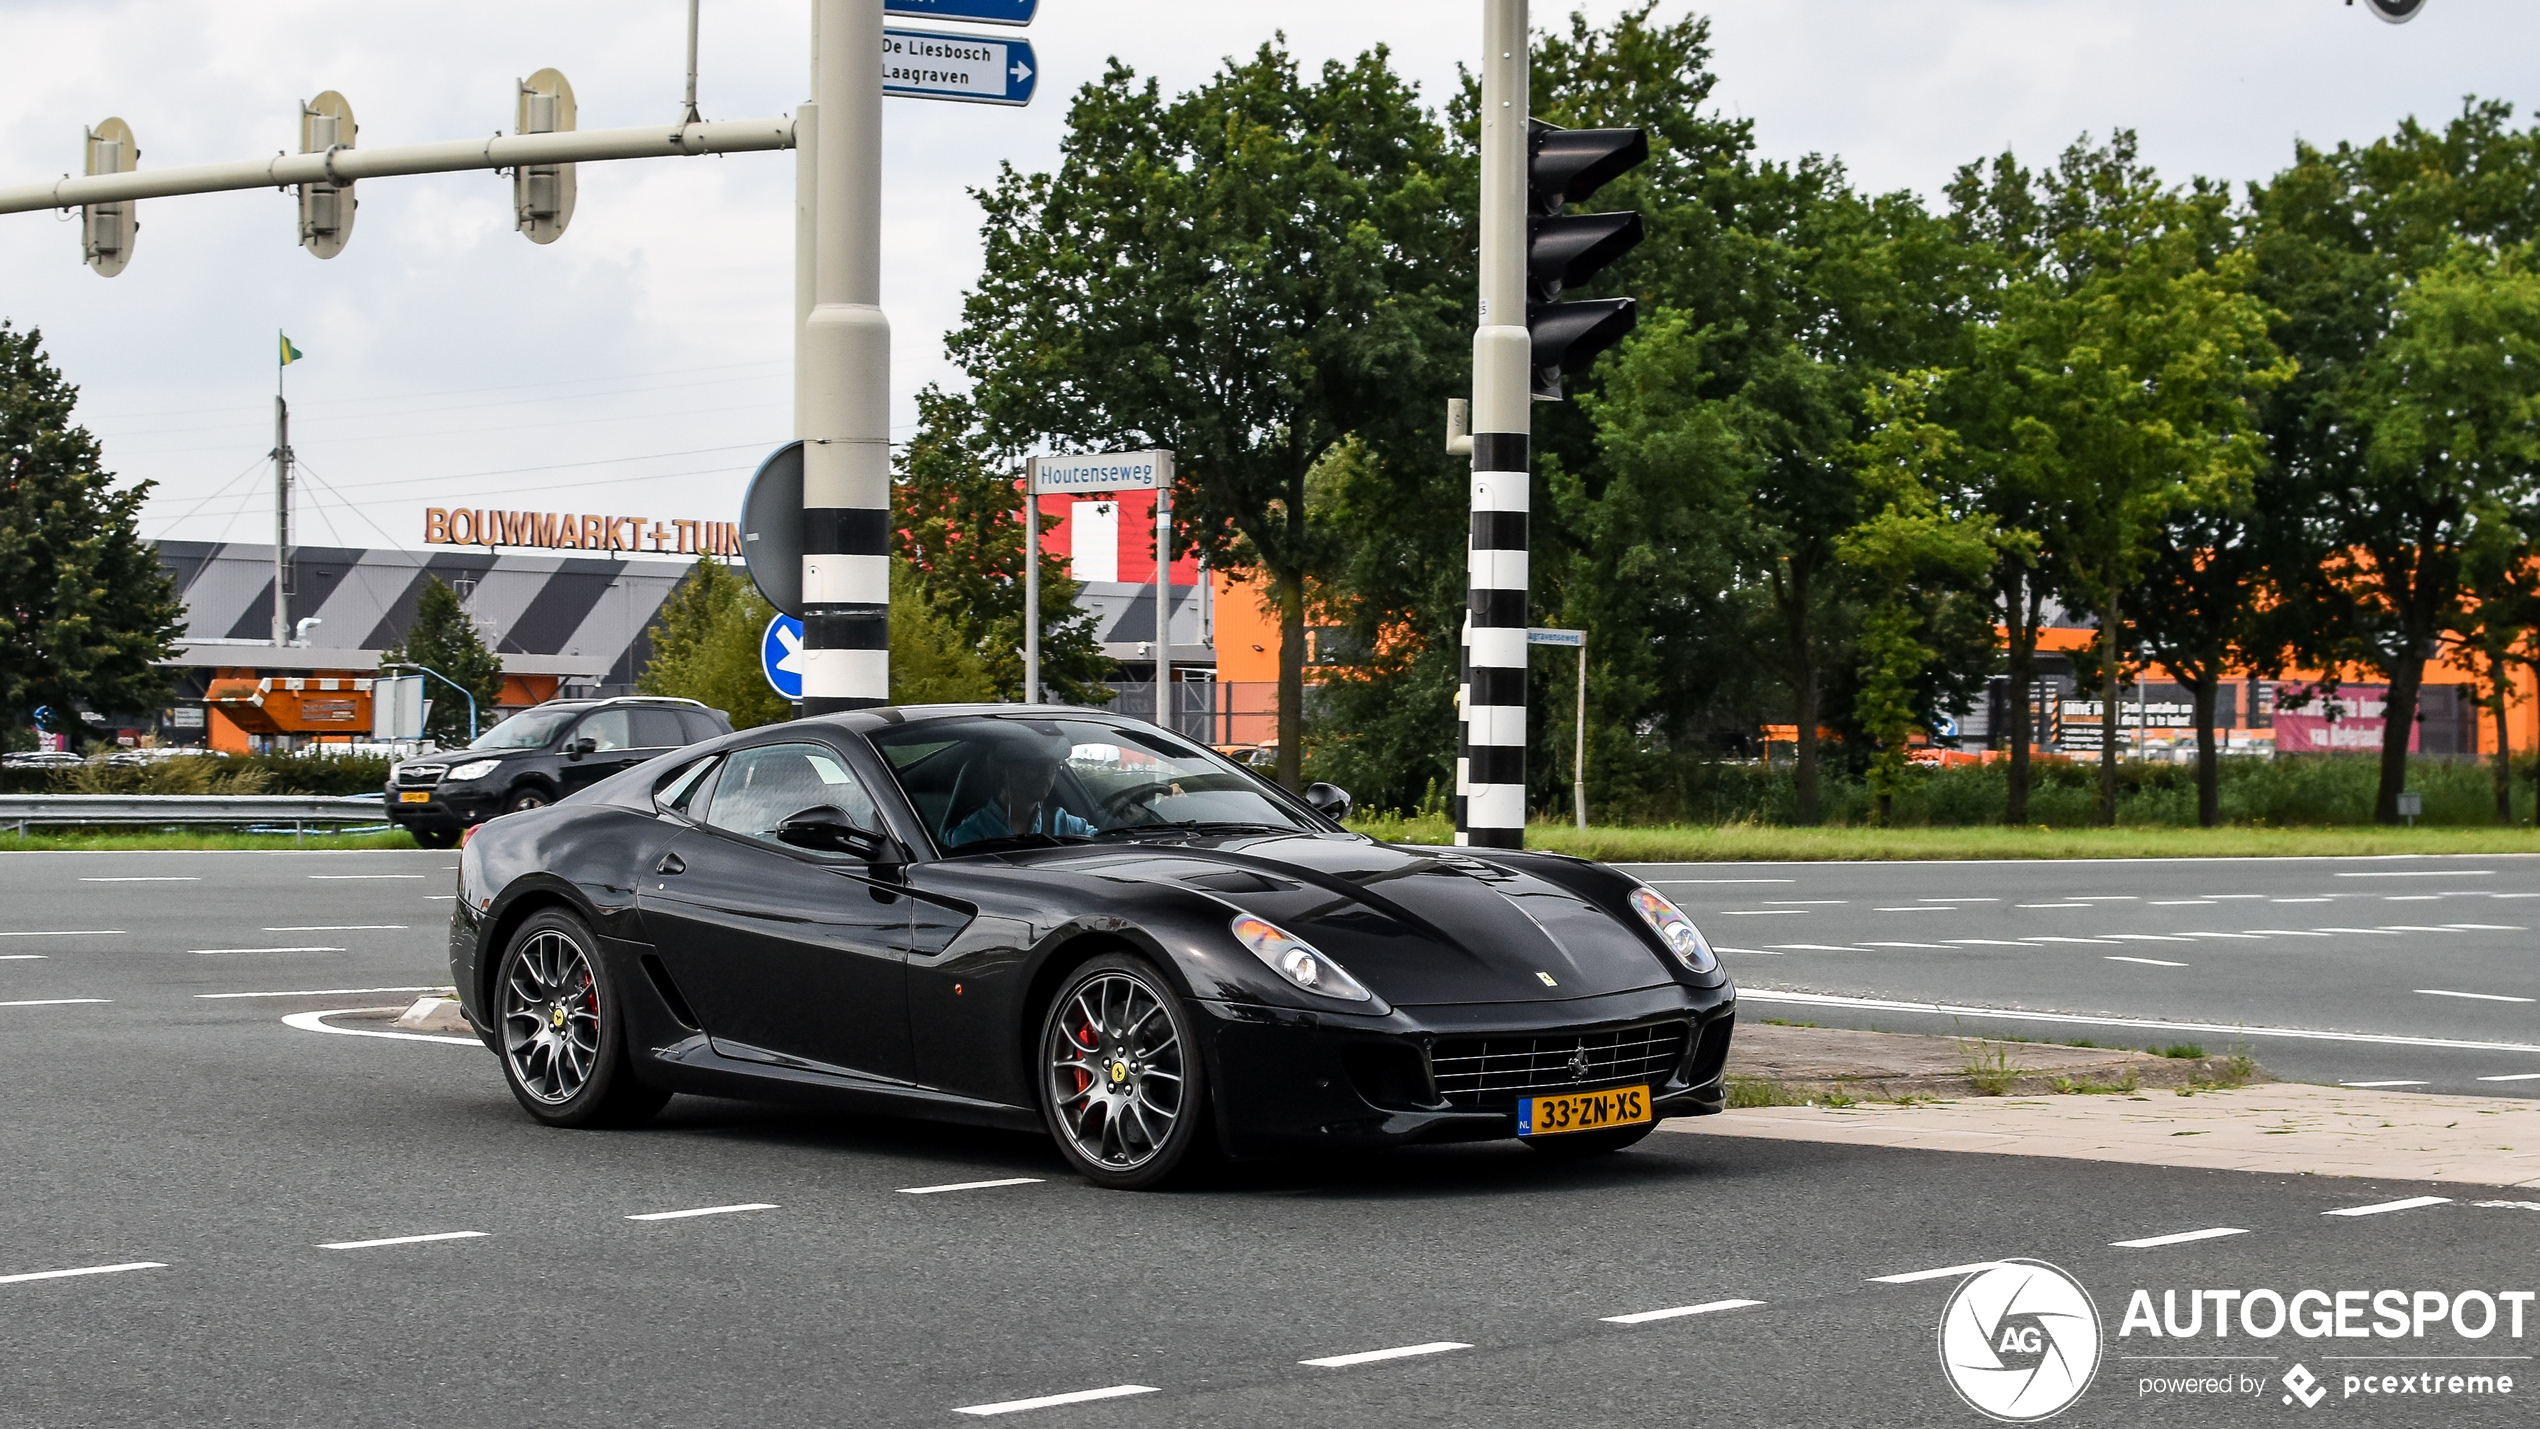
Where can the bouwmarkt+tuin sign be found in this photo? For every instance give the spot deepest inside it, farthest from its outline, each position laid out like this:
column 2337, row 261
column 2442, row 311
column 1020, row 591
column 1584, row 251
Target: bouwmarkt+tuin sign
column 579, row 531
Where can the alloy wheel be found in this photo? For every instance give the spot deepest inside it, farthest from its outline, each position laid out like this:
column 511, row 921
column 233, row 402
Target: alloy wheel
column 551, row 1017
column 1116, row 1071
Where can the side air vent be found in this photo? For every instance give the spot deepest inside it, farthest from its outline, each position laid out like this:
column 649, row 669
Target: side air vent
column 660, row 978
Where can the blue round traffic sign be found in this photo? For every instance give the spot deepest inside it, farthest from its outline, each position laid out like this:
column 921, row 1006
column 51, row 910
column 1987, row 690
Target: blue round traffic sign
column 780, row 656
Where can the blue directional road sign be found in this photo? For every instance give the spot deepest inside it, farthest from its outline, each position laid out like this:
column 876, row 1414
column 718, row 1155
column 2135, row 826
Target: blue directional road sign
column 972, row 69
column 780, row 656
column 969, row 12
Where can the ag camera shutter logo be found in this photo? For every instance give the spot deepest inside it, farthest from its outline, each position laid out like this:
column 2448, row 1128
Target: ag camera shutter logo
column 2019, row 1341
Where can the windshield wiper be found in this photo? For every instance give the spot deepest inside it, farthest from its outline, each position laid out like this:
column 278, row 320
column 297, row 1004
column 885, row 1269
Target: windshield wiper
column 1005, row 841
column 1196, row 826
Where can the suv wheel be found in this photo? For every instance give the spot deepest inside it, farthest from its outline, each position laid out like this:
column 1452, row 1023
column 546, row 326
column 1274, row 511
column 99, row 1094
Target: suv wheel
column 528, row 796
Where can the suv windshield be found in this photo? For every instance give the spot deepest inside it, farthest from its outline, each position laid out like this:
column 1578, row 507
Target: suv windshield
column 527, row 730
column 982, row 780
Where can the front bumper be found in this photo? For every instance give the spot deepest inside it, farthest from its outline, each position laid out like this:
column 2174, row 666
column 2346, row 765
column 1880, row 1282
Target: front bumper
column 449, row 806
column 1290, row 1080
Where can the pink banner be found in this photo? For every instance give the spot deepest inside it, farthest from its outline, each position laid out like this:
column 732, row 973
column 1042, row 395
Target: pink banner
column 2350, row 722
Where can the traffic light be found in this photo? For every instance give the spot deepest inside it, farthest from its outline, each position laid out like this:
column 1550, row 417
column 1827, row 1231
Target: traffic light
column 1564, row 166
column 542, row 194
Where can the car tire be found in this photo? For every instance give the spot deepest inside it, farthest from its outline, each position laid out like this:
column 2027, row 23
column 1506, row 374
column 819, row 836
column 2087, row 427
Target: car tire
column 558, row 1031
column 1123, row 1085
column 1590, row 1143
column 436, row 838
column 528, row 796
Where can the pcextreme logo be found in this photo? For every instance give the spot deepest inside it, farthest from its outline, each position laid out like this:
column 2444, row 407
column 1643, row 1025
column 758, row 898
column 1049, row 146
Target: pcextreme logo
column 2019, row 1341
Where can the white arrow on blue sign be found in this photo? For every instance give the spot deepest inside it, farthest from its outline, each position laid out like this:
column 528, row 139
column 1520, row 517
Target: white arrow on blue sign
column 780, row 656
column 970, row 12
column 917, row 64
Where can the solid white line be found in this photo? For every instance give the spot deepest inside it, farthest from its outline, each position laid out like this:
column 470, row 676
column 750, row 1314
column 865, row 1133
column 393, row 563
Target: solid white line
column 2487, row 927
column 1401, row 1352
column 1758, row 952
column 1643, row 1317
column 2381, row 1084
column 207, row 952
column 1671, row 882
column 2290, row 933
column 2182, row 902
column 2049, row 938
column 315, row 1022
column 2151, row 938
column 2054, row 905
column 324, row 992
column 704, row 1211
column 1944, row 1272
column 970, row 1186
column 1878, row 1004
column 2325, row 928
column 1988, row 942
column 340, row 876
column 2409, row 1204
column 1047, row 1401
column 2181, row 1238
column 342, row 928
column 23, row 958
column 2147, row 962
column 399, row 1240
column 2475, row 996
column 55, row 1001
column 148, row 878
column 2254, row 937
column 69, row 933
column 2514, row 1077
column 2425, row 873
column 83, row 1270
column 1815, row 948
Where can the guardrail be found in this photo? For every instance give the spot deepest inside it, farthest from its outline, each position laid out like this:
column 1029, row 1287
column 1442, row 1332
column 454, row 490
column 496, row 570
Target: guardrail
column 297, row 810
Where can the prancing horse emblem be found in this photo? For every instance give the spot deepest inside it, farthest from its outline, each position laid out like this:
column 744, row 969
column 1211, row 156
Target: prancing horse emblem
column 1579, row 1065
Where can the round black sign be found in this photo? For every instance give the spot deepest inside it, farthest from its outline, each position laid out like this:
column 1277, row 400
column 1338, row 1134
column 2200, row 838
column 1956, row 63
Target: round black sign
column 772, row 529
column 2397, row 12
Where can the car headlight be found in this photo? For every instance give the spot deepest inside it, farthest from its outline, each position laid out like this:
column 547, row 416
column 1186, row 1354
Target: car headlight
column 473, row 769
column 1300, row 962
column 1675, row 930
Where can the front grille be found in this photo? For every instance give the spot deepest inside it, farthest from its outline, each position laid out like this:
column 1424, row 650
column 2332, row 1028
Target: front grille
column 1492, row 1072
column 420, row 775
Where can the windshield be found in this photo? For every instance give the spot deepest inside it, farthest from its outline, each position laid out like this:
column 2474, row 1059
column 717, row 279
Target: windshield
column 984, row 780
column 527, row 730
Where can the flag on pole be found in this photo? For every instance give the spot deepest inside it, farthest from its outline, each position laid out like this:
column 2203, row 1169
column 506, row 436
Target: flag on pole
column 290, row 354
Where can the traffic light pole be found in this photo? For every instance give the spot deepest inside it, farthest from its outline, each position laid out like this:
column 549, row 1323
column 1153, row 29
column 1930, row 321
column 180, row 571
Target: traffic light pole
column 845, row 378
column 1490, row 804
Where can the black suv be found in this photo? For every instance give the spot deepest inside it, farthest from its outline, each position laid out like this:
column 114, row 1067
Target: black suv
column 537, row 757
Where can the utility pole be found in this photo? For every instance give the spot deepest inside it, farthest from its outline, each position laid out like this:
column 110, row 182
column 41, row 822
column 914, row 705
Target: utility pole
column 845, row 375
column 1490, row 805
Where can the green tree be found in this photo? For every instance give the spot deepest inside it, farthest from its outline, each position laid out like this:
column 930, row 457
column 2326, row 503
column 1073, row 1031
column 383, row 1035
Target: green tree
column 706, row 643
column 443, row 639
column 2498, row 624
column 1246, row 273
column 85, row 608
column 932, row 661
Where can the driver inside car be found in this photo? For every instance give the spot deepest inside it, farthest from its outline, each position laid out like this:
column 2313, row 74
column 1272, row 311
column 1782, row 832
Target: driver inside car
column 1022, row 805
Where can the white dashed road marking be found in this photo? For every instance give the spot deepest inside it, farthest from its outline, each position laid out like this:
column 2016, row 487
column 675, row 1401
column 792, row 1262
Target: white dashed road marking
column 1943, row 1273
column 1399, row 1352
column 2154, row 1026
column 55, row 1001
column 2514, row 1077
column 2476, row 996
column 2147, row 962
column 148, row 878
column 207, row 952
column 22, row 958
column 1674, row 882
column 2410, row 1204
column 970, row 1186
column 1052, row 1401
column 342, row 928
column 2380, row 1084
column 399, row 1240
column 2428, row 873
column 323, row 992
column 83, row 1270
column 704, row 1211
column 68, row 933
column 2180, row 1238
column 1644, row 1317
column 338, row 877
column 1758, row 912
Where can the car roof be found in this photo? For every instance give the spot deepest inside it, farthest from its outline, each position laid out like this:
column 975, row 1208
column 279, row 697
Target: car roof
column 882, row 717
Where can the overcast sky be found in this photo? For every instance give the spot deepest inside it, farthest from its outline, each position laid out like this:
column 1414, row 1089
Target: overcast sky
column 640, row 365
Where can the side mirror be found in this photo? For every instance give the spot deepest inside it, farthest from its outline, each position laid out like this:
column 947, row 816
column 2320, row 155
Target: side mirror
column 1329, row 800
column 825, row 829
column 577, row 748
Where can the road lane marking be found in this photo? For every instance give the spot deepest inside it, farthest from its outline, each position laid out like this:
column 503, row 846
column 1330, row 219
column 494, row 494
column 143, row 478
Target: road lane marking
column 1051, row 1401
column 2152, row 937
column 55, row 1001
column 207, row 952
column 705, row 1211
column 2147, row 962
column 2053, row 905
column 2050, row 938
column 1671, row 882
column 148, row 878
column 1943, row 947
column 323, row 992
column 341, row 876
column 2514, row 1077
column 399, row 1240
column 1814, row 948
column 315, row 1022
column 1757, row 912
column 2383, row 931
column 341, row 928
column 1759, row 952
column 1918, row 908
column 2413, row 928
column 2474, row 996
column 2301, row 900
column 1944, row 1272
column 2103, row 897
column 1399, row 1352
column 2427, row 873
column 970, row 1186
column 2225, row 896
column 2290, row 933
column 1956, row 898
column 23, row 958
column 2381, row 1084
column 2179, row 1238
column 68, row 933
column 2182, row 903
column 2378, row 1208
column 2155, row 1026
column 1811, row 902
column 2486, row 928
column 1988, row 942
column 83, row 1270
column 2258, row 937
column 2411, row 897
column 1643, row 1317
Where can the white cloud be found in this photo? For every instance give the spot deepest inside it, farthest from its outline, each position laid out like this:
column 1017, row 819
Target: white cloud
column 440, row 343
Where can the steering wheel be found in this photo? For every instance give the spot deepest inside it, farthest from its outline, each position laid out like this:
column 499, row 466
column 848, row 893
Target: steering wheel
column 1117, row 806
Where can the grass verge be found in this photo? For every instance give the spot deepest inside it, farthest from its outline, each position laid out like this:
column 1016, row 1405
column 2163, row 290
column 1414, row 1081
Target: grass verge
column 1772, row 843
column 83, row 840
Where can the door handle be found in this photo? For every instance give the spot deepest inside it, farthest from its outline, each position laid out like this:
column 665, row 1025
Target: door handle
column 670, row 863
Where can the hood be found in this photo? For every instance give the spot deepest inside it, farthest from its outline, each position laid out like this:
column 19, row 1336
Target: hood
column 1424, row 927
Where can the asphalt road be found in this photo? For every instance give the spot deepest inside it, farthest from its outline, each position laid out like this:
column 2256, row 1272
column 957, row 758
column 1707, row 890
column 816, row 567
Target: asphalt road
column 2416, row 972
column 179, row 1126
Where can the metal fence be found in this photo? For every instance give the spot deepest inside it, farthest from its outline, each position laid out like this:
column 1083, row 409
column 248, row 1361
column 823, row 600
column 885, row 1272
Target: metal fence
column 297, row 810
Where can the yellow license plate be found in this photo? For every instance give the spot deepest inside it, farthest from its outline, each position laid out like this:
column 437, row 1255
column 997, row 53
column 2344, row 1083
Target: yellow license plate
column 1582, row 1111
column 413, row 796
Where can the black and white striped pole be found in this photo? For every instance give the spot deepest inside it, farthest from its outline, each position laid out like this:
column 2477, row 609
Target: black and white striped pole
column 844, row 385
column 1491, row 763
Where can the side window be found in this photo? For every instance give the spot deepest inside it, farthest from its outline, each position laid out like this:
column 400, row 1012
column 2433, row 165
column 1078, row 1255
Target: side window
column 656, row 728
column 606, row 730
column 763, row 787
column 684, row 793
